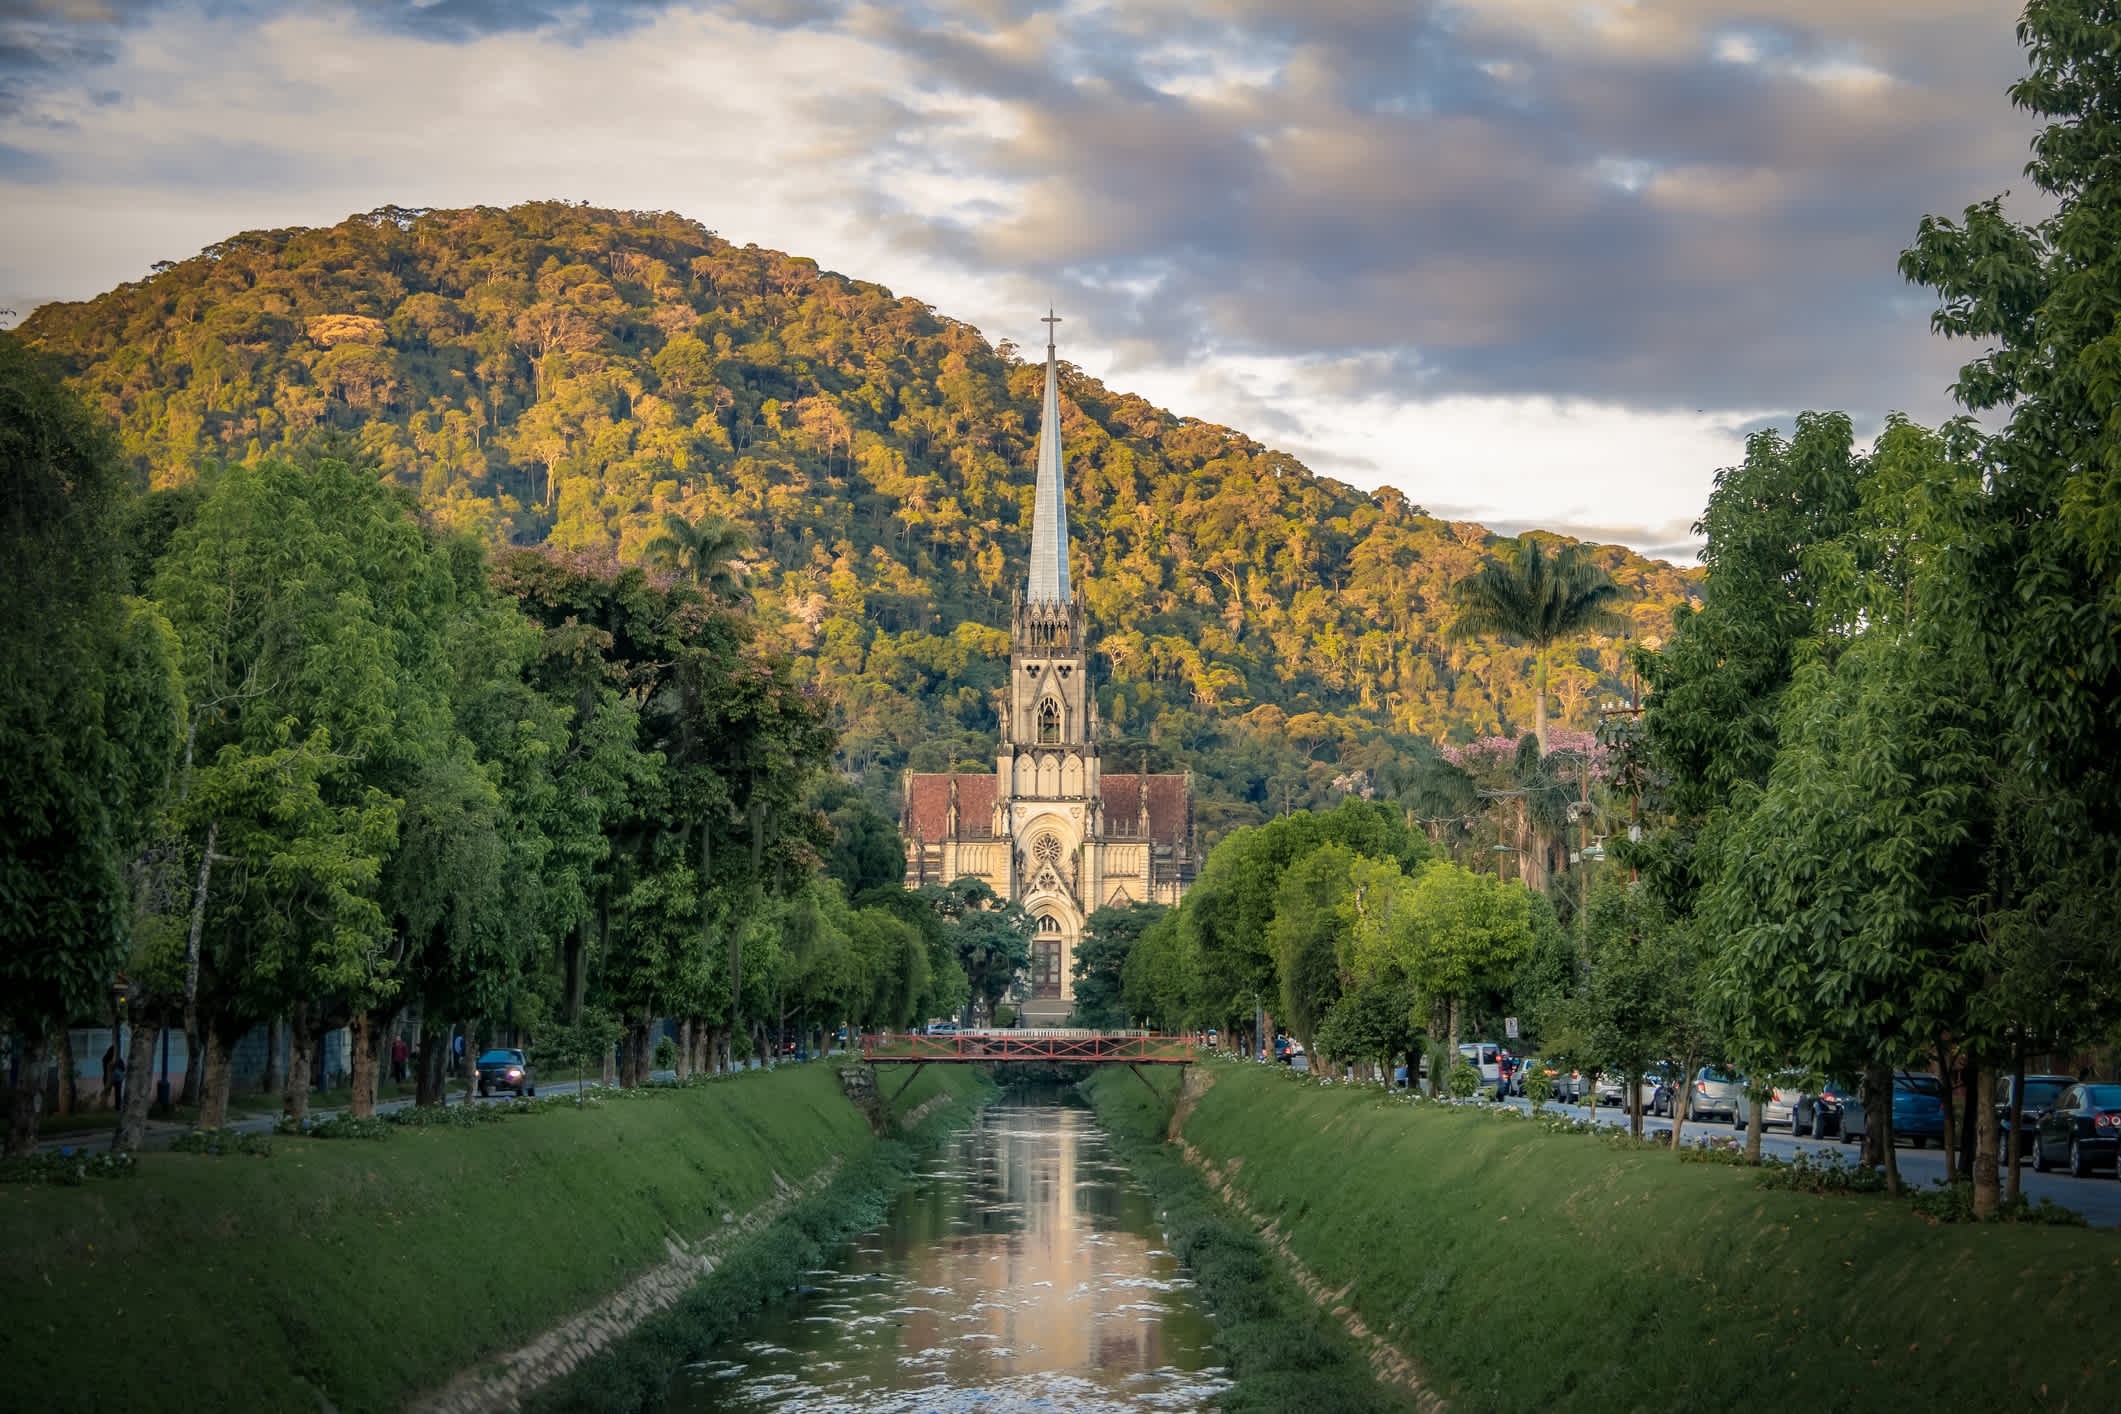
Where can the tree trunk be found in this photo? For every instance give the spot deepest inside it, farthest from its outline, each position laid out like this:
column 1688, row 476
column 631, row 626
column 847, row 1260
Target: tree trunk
column 271, row 1079
column 629, row 1060
column 1634, row 1083
column 301, row 1055
column 362, row 1103
column 610, row 1069
column 1755, row 1122
column 684, row 1062
column 1970, row 1118
column 1892, row 1155
column 63, row 1044
column 2017, row 1141
column 434, row 1061
column 1877, row 1093
column 139, row 1089
column 1988, row 1192
column 1682, row 1101
column 471, row 1060
column 214, row 1077
column 28, row 1107
column 194, row 1063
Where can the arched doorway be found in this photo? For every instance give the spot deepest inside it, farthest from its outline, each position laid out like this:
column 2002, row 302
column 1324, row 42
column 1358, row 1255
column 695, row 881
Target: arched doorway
column 1047, row 948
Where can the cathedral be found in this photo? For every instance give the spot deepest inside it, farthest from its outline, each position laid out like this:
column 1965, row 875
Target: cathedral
column 1051, row 829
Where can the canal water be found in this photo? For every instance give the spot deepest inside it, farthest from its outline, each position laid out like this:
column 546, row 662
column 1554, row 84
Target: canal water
column 1023, row 1271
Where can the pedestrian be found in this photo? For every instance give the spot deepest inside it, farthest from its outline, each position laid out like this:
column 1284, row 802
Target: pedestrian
column 456, row 1051
column 399, row 1054
column 114, row 1076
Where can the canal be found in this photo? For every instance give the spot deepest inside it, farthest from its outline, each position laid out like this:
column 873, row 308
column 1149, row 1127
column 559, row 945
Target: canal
column 1023, row 1270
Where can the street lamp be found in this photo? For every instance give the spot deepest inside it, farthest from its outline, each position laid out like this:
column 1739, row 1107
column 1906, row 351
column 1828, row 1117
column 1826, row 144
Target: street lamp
column 1499, row 850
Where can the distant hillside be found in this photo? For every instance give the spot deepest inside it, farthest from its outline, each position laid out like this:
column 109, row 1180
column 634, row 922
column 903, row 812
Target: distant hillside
column 567, row 374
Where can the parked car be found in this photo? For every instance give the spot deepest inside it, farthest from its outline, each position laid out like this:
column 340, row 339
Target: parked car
column 1715, row 1095
column 1613, row 1090
column 1780, row 1107
column 1819, row 1112
column 1918, row 1110
column 507, row 1070
column 942, row 1028
column 1485, row 1057
column 2041, row 1092
column 2082, row 1129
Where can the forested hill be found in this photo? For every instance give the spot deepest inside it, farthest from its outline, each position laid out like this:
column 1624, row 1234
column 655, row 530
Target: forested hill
column 566, row 374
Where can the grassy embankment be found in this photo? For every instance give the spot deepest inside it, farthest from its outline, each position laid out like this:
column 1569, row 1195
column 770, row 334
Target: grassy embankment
column 1524, row 1269
column 365, row 1272
column 1284, row 1354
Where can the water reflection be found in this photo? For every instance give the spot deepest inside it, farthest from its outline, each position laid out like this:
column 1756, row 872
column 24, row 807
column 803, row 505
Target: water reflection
column 1024, row 1271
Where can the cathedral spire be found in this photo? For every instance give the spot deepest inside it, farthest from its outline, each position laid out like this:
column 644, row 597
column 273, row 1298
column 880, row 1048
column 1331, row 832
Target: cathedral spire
column 1049, row 515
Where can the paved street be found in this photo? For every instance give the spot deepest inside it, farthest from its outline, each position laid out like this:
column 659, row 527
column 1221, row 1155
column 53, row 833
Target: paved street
column 2098, row 1197
column 159, row 1133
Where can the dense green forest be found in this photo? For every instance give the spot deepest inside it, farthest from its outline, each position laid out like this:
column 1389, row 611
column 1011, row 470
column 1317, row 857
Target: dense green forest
column 567, row 375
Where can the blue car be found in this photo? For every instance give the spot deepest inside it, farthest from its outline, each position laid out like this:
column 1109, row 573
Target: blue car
column 1918, row 1111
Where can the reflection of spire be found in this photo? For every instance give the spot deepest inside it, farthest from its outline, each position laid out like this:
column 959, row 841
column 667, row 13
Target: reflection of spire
column 1049, row 512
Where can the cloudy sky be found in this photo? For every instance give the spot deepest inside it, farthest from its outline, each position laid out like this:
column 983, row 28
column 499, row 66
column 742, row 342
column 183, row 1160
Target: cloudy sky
column 1537, row 262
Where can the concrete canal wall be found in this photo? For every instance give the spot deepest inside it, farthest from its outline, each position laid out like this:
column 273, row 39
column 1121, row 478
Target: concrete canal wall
column 369, row 1274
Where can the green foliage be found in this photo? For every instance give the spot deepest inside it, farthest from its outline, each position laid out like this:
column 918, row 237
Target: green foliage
column 666, row 1053
column 222, row 1141
column 579, row 377
column 342, row 1126
column 1464, row 1080
column 66, row 1168
column 1539, row 600
column 1100, row 963
column 90, row 704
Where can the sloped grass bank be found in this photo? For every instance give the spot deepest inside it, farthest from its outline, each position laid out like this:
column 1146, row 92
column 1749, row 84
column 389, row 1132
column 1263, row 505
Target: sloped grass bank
column 755, row 1274
column 366, row 1273
column 1522, row 1269
column 1284, row 1354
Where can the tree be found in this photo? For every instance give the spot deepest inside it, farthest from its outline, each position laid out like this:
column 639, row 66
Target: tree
column 1459, row 932
column 90, row 707
column 1539, row 600
column 1100, row 964
column 703, row 551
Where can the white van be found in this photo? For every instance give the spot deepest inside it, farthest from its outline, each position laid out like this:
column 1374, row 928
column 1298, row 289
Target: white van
column 1486, row 1057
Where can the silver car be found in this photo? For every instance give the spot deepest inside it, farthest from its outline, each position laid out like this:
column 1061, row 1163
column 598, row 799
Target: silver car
column 1717, row 1095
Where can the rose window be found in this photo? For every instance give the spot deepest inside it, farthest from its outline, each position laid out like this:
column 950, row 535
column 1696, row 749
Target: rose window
column 1046, row 850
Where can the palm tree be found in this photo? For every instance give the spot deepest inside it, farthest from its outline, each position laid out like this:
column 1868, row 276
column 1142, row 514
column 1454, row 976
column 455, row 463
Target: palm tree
column 703, row 552
column 1536, row 599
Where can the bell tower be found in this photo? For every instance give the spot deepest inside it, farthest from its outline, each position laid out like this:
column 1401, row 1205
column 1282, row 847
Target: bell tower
column 1047, row 794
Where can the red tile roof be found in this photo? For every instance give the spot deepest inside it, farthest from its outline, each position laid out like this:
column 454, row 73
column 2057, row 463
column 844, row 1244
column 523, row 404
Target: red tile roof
column 927, row 811
column 928, row 807
column 1167, row 805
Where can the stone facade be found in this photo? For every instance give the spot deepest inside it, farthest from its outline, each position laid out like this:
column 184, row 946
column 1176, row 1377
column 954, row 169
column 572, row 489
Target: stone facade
column 1051, row 830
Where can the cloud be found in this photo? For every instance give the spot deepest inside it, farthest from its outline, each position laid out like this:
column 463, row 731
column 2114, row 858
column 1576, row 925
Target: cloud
column 1418, row 242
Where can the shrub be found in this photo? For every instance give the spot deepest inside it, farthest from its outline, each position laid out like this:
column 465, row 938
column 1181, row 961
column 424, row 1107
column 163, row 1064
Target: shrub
column 666, row 1054
column 1463, row 1080
column 68, row 1168
column 343, row 1126
column 222, row 1141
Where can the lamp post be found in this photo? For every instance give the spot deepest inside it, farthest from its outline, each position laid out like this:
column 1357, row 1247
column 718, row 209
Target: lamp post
column 1499, row 850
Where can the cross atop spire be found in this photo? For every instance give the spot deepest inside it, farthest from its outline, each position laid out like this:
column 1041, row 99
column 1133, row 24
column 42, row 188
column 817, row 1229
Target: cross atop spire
column 1048, row 583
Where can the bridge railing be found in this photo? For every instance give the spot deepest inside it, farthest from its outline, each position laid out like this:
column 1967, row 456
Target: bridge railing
column 1055, row 1047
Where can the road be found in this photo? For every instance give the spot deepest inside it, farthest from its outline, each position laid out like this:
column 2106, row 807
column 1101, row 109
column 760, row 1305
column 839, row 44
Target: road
column 160, row 1133
column 2098, row 1197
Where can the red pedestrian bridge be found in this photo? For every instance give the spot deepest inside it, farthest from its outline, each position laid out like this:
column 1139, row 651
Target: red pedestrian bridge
column 1132, row 1049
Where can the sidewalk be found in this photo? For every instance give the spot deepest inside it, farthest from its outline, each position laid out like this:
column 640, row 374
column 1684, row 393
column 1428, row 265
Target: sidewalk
column 161, row 1132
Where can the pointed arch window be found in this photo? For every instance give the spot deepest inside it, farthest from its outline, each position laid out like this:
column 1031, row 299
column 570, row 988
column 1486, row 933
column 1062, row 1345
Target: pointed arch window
column 1048, row 722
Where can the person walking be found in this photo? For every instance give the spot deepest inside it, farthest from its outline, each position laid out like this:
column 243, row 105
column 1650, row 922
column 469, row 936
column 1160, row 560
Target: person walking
column 399, row 1054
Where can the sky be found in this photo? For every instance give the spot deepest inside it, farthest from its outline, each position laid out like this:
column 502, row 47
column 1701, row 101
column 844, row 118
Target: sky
column 1534, row 262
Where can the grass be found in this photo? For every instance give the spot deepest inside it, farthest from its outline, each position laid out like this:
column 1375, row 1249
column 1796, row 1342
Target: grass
column 1284, row 1355
column 1525, row 1269
column 365, row 1273
column 632, row 1374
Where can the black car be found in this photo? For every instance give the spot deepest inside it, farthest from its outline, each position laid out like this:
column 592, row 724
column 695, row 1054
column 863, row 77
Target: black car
column 1819, row 1114
column 507, row 1070
column 2083, row 1129
column 2041, row 1092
